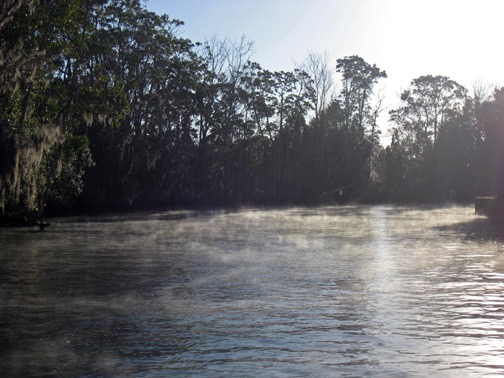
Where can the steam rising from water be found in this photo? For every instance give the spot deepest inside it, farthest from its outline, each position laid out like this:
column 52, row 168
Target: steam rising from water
column 354, row 290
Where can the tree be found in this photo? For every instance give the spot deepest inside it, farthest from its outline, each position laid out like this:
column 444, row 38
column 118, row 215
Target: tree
column 434, row 118
column 358, row 120
column 319, row 83
column 428, row 104
column 140, row 79
column 35, row 106
column 358, row 80
column 64, row 183
column 224, row 117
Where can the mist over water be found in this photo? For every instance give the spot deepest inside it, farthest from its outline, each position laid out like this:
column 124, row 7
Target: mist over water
column 331, row 291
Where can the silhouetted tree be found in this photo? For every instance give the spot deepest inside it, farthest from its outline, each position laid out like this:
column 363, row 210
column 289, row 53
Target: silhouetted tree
column 169, row 122
column 428, row 104
column 358, row 80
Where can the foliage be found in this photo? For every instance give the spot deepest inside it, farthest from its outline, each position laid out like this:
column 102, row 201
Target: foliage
column 358, row 79
column 103, row 105
column 442, row 141
column 71, row 160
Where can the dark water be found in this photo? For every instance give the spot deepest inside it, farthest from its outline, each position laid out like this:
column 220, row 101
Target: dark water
column 333, row 291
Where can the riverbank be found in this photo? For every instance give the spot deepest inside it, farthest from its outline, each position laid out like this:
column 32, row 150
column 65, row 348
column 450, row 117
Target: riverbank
column 17, row 221
column 489, row 206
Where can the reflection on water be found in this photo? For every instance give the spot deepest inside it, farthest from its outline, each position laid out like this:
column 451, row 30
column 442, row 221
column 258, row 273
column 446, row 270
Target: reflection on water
column 345, row 291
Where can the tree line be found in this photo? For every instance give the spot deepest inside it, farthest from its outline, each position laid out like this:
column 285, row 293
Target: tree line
column 104, row 106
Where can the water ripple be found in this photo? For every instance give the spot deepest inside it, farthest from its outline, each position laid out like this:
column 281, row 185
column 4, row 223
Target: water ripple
column 376, row 291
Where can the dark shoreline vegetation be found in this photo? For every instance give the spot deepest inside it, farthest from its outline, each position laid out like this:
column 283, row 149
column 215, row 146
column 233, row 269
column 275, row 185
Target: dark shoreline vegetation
column 103, row 107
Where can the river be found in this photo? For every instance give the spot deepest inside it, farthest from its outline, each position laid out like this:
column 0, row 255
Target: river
column 352, row 291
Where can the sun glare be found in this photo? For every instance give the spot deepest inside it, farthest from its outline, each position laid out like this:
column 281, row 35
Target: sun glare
column 453, row 38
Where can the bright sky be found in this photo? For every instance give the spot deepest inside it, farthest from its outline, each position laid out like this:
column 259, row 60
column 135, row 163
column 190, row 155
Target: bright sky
column 461, row 39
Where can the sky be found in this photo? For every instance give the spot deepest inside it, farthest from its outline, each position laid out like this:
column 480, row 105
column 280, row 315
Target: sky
column 461, row 39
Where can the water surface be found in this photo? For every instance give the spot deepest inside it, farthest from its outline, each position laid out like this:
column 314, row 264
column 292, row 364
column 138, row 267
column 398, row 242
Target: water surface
column 332, row 291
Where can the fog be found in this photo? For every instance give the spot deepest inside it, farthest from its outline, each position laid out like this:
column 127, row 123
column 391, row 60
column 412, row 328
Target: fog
column 357, row 290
